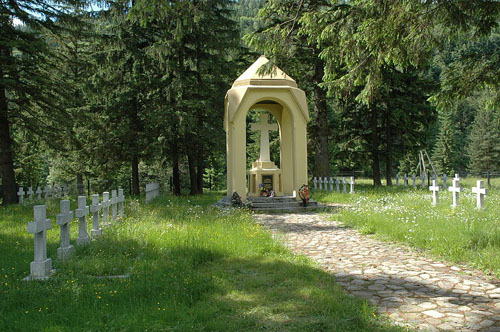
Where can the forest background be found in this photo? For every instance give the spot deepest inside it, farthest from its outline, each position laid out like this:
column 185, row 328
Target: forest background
column 105, row 93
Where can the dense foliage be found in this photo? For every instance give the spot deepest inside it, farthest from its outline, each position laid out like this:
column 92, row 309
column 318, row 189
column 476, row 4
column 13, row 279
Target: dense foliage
column 119, row 92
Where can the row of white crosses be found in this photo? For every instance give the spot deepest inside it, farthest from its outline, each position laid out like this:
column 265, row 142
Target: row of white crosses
column 320, row 183
column 423, row 178
column 48, row 192
column 455, row 189
column 41, row 267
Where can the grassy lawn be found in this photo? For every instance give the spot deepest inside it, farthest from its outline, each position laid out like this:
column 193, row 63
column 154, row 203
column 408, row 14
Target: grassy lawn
column 460, row 235
column 192, row 268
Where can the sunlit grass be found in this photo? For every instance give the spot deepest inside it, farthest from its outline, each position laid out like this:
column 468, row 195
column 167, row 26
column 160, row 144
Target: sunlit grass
column 460, row 235
column 191, row 267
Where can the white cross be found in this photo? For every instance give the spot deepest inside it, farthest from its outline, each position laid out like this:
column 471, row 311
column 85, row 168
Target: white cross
column 320, row 181
column 39, row 193
column 95, row 208
column 264, row 126
column 105, row 204
column 41, row 267
column 65, row 251
column 121, row 201
column 21, row 193
column 331, row 183
column 455, row 189
column 457, row 176
column 81, row 214
column 344, row 182
column 480, row 192
column 30, row 192
column 114, row 201
column 352, row 185
column 435, row 189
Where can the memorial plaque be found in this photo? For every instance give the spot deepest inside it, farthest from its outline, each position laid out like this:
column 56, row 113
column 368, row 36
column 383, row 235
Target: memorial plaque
column 267, row 180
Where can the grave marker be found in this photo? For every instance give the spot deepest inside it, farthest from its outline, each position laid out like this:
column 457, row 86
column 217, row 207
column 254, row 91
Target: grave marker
column 405, row 178
column 105, row 212
column 121, row 201
column 65, row 251
column 422, row 177
column 352, row 185
column 331, row 183
column 46, row 192
column 320, row 182
column 445, row 178
column 435, row 190
column 21, row 193
column 38, row 193
column 344, row 183
column 315, row 181
column 455, row 190
column 95, row 208
column 397, row 179
column 480, row 193
column 81, row 213
column 30, row 193
column 114, row 202
column 325, row 183
column 41, row 267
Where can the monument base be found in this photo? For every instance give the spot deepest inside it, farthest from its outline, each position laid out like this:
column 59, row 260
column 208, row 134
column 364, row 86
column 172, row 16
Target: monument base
column 65, row 253
column 95, row 232
column 264, row 176
column 83, row 241
column 40, row 270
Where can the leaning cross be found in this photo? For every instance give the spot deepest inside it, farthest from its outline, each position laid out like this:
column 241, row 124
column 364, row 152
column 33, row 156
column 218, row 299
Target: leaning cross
column 38, row 193
column 21, row 193
column 81, row 214
column 30, row 193
column 41, row 267
column 264, row 126
column 65, row 251
column 435, row 189
column 455, row 189
column 480, row 192
column 95, row 208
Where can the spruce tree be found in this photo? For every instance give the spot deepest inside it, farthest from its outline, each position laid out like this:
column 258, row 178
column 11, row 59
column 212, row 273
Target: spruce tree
column 445, row 151
column 484, row 146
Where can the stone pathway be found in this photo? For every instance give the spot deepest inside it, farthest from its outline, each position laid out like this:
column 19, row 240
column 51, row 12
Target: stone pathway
column 411, row 289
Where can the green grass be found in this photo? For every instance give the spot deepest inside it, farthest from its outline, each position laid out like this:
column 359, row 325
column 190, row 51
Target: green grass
column 460, row 235
column 192, row 268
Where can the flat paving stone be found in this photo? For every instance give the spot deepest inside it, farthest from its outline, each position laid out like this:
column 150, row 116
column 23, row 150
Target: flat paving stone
column 411, row 289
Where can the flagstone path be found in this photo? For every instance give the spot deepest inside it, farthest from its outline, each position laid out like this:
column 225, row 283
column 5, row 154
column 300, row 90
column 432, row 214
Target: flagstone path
column 411, row 289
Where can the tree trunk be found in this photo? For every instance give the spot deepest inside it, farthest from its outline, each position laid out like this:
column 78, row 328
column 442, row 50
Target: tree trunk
column 6, row 160
column 135, row 176
column 322, row 155
column 176, row 174
column 200, row 171
column 79, row 183
column 388, row 152
column 375, row 147
column 192, row 170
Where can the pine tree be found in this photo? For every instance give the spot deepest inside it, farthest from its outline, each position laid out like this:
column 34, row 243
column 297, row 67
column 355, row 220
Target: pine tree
column 484, row 146
column 445, row 150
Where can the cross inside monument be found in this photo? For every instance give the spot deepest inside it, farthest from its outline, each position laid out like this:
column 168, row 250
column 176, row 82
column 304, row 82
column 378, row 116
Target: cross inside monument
column 264, row 126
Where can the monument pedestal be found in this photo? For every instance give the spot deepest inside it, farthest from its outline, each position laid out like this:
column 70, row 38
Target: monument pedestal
column 267, row 174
